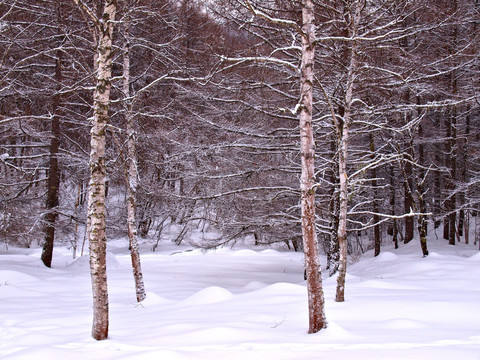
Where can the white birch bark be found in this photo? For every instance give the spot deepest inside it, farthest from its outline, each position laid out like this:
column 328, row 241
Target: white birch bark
column 317, row 320
column 96, row 195
column 343, row 127
column 131, row 176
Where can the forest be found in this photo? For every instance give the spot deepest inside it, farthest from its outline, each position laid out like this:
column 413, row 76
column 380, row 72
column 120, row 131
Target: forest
column 329, row 127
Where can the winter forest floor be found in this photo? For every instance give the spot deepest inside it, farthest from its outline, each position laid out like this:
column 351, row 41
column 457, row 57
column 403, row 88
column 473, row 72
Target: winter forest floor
column 243, row 303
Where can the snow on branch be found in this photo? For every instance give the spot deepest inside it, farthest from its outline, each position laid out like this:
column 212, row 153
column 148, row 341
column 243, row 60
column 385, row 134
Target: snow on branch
column 273, row 60
column 273, row 20
column 239, row 191
column 88, row 11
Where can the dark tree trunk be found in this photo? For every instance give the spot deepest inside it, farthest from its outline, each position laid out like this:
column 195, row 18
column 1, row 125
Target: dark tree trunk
column 422, row 219
column 450, row 162
column 408, row 201
column 376, row 218
column 394, row 226
column 53, row 182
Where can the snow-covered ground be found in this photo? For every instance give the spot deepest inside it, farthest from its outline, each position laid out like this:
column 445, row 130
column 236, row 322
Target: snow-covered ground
column 243, row 304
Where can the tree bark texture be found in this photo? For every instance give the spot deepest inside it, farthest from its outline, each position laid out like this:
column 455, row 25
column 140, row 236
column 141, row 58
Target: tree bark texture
column 422, row 206
column 343, row 127
column 53, row 182
column 376, row 209
column 333, row 254
column 96, row 197
column 317, row 320
column 131, row 177
column 408, row 201
column 394, row 228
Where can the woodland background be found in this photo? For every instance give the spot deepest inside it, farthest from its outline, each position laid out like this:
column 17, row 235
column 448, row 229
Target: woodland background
column 213, row 93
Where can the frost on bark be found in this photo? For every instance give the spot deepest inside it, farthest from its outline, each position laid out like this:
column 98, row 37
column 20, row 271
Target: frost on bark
column 96, row 195
column 333, row 253
column 342, row 129
column 131, row 177
column 317, row 320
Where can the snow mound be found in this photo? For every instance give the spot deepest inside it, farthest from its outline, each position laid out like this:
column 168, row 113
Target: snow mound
column 83, row 262
column 112, row 261
column 80, row 262
column 254, row 285
column 335, row 331
column 378, row 284
column 435, row 255
column 269, row 252
column 283, row 289
column 245, row 252
column 154, row 299
column 475, row 257
column 209, row 295
column 386, row 256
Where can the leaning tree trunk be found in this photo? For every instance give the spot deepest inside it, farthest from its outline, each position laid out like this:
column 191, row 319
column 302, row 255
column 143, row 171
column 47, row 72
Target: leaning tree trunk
column 317, row 320
column 53, row 182
column 96, row 195
column 131, row 176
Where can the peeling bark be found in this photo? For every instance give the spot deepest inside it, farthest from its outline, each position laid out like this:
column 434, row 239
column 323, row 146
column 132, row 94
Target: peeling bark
column 317, row 320
column 96, row 196
column 131, row 177
column 343, row 127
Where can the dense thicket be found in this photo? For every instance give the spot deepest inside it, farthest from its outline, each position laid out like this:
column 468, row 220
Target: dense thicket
column 213, row 93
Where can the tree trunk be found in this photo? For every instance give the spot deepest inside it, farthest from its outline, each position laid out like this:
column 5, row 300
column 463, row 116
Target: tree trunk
column 343, row 127
column 53, row 182
column 317, row 320
column 333, row 254
column 422, row 205
column 451, row 160
column 96, row 196
column 394, row 229
column 464, row 222
column 422, row 219
column 131, row 176
column 376, row 218
column 408, row 201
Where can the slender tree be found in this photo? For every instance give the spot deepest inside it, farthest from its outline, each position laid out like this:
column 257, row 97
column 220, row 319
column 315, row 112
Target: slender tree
column 131, row 170
column 53, row 182
column 353, row 12
column 96, row 194
column 307, row 183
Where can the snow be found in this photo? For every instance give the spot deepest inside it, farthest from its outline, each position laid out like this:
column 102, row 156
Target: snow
column 243, row 304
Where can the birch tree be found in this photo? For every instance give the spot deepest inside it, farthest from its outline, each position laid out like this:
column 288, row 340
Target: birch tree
column 306, row 32
column 96, row 194
column 307, row 183
column 342, row 123
column 131, row 169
